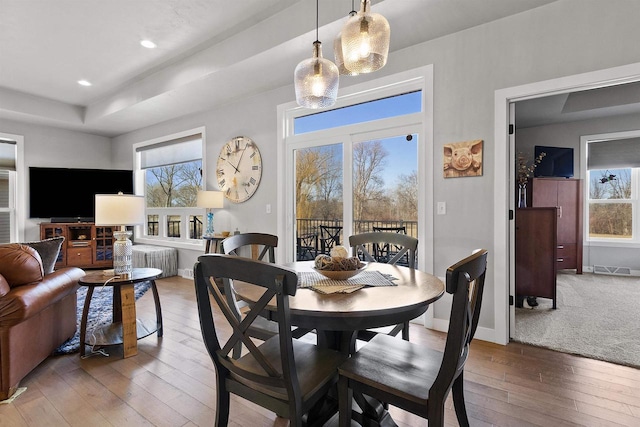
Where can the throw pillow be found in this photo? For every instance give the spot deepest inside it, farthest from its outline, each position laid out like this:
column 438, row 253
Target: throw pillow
column 4, row 286
column 48, row 250
column 20, row 264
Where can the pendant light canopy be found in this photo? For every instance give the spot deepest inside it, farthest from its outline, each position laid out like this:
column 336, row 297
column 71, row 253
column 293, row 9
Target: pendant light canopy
column 316, row 79
column 365, row 40
column 337, row 50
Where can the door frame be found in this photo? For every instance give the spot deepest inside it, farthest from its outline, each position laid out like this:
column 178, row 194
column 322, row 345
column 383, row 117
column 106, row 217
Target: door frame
column 504, row 183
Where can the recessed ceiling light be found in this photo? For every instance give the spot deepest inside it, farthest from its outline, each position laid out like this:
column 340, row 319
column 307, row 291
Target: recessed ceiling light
column 84, row 83
column 148, row 44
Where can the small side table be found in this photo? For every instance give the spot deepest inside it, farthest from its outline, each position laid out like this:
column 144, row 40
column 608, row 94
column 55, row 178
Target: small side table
column 126, row 329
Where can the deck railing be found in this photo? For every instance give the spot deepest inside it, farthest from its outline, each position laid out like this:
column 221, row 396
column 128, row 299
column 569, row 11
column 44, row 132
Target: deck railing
column 310, row 237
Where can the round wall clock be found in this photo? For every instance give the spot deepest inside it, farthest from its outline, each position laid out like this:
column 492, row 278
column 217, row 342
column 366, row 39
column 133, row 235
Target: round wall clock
column 239, row 169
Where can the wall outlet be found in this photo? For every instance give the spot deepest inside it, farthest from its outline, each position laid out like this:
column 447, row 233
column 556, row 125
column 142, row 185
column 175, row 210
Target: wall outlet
column 268, row 208
column 442, row 208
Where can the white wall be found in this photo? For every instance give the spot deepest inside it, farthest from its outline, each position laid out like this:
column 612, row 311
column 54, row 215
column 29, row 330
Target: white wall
column 47, row 146
column 561, row 39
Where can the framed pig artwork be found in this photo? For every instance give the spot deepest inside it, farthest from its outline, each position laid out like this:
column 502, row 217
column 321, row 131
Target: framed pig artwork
column 463, row 159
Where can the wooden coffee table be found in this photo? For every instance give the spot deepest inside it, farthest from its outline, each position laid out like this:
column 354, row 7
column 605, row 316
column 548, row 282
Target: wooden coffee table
column 125, row 328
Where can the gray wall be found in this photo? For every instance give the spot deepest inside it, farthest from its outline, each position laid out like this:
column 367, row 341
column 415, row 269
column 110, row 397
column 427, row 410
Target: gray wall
column 47, row 146
column 561, row 39
column 568, row 135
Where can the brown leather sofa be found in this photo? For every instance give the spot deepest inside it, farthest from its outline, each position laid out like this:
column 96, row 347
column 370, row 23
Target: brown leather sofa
column 37, row 312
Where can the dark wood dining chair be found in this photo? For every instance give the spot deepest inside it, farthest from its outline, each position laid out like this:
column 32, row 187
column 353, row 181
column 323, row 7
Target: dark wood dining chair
column 261, row 328
column 265, row 243
column 413, row 377
column 285, row 375
column 404, row 245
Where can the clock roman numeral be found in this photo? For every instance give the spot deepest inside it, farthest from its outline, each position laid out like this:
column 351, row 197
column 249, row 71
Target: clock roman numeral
column 220, row 172
column 255, row 167
column 221, row 183
column 252, row 181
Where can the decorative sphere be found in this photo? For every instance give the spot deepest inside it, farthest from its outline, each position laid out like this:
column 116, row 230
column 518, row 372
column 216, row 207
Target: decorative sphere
column 339, row 252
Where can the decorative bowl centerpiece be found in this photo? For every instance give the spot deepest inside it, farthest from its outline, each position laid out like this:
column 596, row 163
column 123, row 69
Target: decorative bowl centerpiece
column 338, row 265
column 339, row 275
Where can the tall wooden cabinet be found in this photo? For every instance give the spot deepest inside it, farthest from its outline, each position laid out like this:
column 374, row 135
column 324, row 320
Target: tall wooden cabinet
column 85, row 245
column 566, row 196
column 536, row 253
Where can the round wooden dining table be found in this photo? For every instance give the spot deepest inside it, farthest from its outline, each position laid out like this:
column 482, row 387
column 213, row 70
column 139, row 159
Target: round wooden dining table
column 337, row 317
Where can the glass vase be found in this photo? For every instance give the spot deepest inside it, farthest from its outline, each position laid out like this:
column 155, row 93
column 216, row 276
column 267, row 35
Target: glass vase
column 522, row 195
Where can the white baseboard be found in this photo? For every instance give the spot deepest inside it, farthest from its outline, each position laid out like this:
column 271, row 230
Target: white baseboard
column 186, row 273
column 482, row 333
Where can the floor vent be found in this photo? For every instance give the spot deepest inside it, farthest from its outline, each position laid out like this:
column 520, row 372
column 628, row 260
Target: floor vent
column 619, row 271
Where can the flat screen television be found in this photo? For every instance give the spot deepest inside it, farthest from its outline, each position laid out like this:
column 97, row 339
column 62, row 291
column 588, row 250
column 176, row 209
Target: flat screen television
column 557, row 162
column 68, row 195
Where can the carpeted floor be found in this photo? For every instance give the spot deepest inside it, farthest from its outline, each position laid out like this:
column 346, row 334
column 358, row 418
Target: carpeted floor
column 100, row 312
column 598, row 317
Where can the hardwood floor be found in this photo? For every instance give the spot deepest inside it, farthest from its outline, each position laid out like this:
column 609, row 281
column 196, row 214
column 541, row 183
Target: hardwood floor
column 171, row 383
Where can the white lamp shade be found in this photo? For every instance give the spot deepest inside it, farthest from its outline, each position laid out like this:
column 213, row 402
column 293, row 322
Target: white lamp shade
column 210, row 199
column 119, row 209
column 365, row 41
column 316, row 80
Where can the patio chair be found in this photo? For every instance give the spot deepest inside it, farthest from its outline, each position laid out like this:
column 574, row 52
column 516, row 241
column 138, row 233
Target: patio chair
column 329, row 237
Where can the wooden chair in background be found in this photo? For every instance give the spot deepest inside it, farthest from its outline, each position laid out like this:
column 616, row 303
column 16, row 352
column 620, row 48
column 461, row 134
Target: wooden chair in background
column 262, row 245
column 404, row 245
column 262, row 242
column 284, row 375
column 416, row 378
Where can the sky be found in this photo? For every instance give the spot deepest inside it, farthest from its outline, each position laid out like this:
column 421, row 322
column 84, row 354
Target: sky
column 402, row 154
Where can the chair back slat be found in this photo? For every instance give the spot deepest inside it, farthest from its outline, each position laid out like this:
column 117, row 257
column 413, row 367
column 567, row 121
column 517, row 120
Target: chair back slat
column 465, row 280
column 267, row 242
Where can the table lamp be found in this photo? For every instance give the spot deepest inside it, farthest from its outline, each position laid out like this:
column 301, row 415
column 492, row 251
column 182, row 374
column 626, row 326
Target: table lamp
column 210, row 200
column 120, row 210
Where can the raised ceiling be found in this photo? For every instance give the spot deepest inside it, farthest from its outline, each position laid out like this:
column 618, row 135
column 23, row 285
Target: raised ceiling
column 209, row 52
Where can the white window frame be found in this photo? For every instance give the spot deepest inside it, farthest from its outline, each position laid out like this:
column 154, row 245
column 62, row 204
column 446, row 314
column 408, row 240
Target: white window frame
column 17, row 192
column 635, row 193
column 183, row 242
column 421, row 123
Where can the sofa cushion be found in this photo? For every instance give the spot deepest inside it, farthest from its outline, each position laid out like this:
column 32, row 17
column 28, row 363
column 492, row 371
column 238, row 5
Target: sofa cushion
column 20, row 264
column 4, row 286
column 48, row 250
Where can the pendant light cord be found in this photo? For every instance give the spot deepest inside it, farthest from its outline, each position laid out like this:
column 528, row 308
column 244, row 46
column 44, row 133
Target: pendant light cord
column 317, row 20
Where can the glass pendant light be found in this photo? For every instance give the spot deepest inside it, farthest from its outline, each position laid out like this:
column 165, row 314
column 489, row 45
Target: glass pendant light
column 337, row 50
column 365, row 40
column 316, row 79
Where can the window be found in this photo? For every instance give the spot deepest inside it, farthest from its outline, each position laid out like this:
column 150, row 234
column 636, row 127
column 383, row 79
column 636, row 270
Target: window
column 171, row 175
column 8, row 156
column 360, row 167
column 613, row 181
column 612, row 202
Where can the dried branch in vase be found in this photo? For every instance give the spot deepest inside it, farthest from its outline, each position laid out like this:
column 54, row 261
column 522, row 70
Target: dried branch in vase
column 525, row 169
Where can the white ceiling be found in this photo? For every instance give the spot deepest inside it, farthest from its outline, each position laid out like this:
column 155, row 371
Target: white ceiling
column 209, row 52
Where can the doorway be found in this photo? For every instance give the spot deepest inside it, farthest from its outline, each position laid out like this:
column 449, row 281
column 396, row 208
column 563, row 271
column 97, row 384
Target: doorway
column 504, row 196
